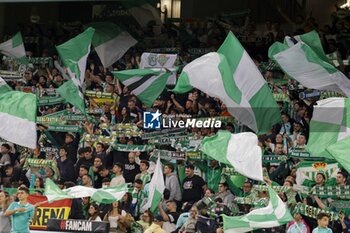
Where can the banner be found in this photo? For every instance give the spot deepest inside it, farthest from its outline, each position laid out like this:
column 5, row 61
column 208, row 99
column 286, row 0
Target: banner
column 340, row 192
column 50, row 100
column 230, row 171
column 10, row 75
column 74, row 225
column 312, row 212
column 157, row 60
column 65, row 128
column 169, row 155
column 307, row 171
column 134, row 148
column 56, row 210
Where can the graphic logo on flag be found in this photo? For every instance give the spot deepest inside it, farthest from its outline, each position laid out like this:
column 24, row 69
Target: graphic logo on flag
column 151, row 120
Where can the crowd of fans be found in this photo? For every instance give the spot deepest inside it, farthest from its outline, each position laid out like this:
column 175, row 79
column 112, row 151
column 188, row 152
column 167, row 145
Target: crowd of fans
column 197, row 191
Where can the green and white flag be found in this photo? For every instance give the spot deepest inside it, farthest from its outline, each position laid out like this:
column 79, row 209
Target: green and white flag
column 238, row 150
column 14, row 48
column 156, row 188
column 312, row 39
column 329, row 124
column 340, row 151
column 110, row 42
column 307, row 171
column 146, row 84
column 74, row 54
column 231, row 75
column 307, row 66
column 275, row 214
column 142, row 11
column 17, row 116
column 102, row 195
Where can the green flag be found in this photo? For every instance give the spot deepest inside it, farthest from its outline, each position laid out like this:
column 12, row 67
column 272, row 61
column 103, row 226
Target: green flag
column 74, row 54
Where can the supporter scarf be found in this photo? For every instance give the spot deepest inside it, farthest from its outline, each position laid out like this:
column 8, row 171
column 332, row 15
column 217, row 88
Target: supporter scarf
column 169, row 140
column 98, row 94
column 128, row 148
column 169, row 155
column 120, row 126
column 282, row 189
column 299, row 154
column 312, row 212
column 274, row 158
column 163, row 133
column 38, row 163
column 41, row 61
column 342, row 192
column 187, row 145
column 43, row 101
column 65, row 128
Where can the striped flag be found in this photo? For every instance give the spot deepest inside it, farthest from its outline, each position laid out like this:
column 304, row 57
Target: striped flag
column 146, row 84
column 17, row 116
column 102, row 195
column 238, row 150
column 307, row 64
column 329, row 124
column 110, row 42
column 14, row 48
column 231, row 75
column 312, row 39
column 74, row 54
column 274, row 214
column 156, row 188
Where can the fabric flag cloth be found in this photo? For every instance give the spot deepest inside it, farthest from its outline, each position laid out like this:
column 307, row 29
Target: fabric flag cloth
column 159, row 61
column 312, row 39
column 307, row 171
column 142, row 11
column 14, row 48
column 146, row 84
column 306, row 64
column 102, row 195
column 274, row 214
column 329, row 124
column 17, row 116
column 74, row 54
column 110, row 42
column 340, row 151
column 238, row 150
column 231, row 75
column 156, row 188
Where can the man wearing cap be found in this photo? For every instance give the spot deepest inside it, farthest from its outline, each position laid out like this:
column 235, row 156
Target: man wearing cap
column 156, row 226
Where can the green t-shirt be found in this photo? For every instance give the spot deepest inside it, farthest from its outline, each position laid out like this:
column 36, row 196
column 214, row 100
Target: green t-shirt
column 21, row 221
